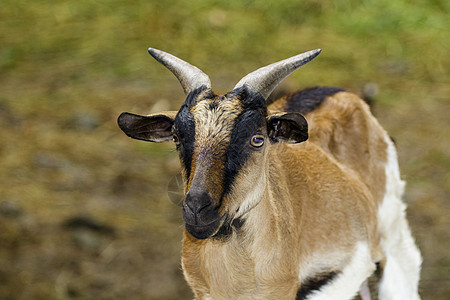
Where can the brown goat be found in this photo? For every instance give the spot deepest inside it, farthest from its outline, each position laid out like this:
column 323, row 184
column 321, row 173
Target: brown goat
column 300, row 199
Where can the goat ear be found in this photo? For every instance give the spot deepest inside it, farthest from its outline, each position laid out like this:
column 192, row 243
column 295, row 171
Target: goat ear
column 153, row 128
column 288, row 128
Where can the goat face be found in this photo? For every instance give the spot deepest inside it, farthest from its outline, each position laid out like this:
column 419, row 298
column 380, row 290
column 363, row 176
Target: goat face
column 222, row 141
column 213, row 137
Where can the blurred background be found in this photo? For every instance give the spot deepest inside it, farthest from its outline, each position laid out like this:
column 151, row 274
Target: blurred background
column 84, row 210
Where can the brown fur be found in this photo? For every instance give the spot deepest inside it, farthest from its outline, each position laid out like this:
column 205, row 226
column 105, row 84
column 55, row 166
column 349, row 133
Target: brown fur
column 319, row 198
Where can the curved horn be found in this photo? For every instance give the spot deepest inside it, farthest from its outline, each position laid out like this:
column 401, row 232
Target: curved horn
column 189, row 76
column 264, row 80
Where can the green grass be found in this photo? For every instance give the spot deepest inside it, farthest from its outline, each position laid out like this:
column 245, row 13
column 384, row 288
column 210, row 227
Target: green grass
column 68, row 68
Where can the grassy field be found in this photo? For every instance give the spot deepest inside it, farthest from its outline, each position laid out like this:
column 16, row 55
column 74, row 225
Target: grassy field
column 84, row 212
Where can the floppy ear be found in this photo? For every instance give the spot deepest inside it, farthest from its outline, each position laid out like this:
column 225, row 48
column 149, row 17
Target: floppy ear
column 288, row 127
column 153, row 128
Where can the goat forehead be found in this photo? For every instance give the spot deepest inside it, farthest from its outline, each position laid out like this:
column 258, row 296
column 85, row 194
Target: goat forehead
column 216, row 118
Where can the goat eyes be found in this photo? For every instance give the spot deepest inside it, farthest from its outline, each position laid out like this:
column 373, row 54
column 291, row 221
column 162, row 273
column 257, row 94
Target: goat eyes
column 257, row 141
column 176, row 139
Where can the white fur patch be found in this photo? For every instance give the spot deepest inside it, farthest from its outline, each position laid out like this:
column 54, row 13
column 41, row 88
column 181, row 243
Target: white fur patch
column 403, row 260
column 214, row 126
column 347, row 283
column 253, row 197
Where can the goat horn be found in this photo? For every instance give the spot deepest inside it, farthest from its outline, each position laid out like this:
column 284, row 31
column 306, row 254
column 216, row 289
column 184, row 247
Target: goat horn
column 189, row 76
column 264, row 80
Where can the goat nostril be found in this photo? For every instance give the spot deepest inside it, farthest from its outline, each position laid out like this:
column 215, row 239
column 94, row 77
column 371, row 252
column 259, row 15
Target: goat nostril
column 203, row 207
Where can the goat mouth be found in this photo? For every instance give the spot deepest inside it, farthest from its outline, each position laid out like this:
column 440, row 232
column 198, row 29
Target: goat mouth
column 202, row 232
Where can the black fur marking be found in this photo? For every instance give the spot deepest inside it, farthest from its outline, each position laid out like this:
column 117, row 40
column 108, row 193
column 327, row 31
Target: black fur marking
column 314, row 284
column 248, row 98
column 248, row 123
column 193, row 97
column 307, row 100
column 227, row 228
column 238, row 223
column 224, row 231
column 379, row 271
column 184, row 127
column 251, row 121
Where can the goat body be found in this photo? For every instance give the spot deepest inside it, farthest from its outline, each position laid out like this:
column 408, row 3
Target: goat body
column 309, row 215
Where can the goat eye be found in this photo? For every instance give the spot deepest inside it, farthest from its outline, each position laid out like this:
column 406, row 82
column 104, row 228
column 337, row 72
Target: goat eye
column 257, row 141
column 176, row 139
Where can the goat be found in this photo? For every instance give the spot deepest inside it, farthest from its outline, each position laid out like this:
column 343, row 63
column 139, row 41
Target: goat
column 299, row 199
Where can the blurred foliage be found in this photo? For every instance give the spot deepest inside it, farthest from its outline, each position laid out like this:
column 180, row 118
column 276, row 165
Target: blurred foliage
column 68, row 68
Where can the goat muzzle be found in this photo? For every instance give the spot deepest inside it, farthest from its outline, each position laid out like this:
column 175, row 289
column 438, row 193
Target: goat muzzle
column 200, row 214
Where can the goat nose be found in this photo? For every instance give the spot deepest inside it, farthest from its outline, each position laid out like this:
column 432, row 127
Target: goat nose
column 195, row 203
